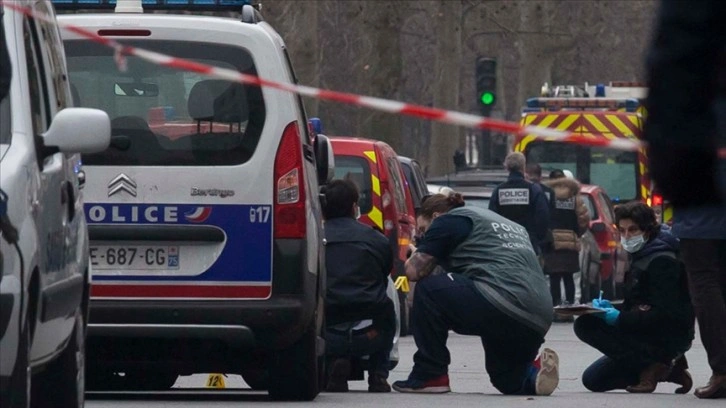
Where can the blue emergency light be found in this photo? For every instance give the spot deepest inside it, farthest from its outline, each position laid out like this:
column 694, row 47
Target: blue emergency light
column 211, row 5
column 630, row 104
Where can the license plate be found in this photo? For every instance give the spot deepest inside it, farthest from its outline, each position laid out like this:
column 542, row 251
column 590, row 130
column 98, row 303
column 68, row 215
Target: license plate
column 136, row 257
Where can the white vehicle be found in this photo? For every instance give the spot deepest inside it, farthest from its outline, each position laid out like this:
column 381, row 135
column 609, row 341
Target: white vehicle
column 44, row 258
column 204, row 213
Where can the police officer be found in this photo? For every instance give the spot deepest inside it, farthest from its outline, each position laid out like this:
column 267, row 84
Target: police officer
column 522, row 201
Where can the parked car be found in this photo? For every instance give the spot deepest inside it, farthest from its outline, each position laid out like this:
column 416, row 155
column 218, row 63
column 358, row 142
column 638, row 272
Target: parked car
column 385, row 202
column 415, row 180
column 44, row 259
column 205, row 221
column 485, row 177
column 603, row 262
column 473, row 196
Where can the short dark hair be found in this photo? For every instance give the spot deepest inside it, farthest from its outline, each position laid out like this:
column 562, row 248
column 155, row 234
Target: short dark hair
column 641, row 214
column 557, row 173
column 340, row 195
column 534, row 169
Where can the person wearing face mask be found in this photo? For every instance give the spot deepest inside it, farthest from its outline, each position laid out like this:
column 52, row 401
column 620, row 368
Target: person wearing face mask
column 491, row 286
column 644, row 342
column 360, row 317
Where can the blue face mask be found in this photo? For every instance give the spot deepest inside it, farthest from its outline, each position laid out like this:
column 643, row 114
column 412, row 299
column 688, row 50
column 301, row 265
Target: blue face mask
column 633, row 244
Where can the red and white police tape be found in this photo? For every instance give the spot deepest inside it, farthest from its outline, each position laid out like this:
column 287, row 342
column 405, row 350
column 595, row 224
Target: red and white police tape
column 385, row 105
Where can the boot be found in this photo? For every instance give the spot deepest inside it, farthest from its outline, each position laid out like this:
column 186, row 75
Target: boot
column 378, row 383
column 679, row 375
column 716, row 388
column 649, row 378
column 339, row 373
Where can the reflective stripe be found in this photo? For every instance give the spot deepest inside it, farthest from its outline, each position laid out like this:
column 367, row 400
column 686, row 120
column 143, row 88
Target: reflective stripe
column 371, row 155
column 377, row 217
column 376, row 184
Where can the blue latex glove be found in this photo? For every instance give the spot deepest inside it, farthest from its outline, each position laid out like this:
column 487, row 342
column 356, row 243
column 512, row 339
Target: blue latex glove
column 601, row 303
column 610, row 316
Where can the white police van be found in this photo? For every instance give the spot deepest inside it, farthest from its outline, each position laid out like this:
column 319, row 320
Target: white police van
column 204, row 213
column 44, row 268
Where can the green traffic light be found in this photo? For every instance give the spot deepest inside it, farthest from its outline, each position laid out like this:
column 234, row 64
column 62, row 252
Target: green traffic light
column 487, row 98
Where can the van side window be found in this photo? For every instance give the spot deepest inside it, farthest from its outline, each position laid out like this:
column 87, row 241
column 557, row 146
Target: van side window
column 40, row 110
column 301, row 106
column 398, row 185
column 53, row 57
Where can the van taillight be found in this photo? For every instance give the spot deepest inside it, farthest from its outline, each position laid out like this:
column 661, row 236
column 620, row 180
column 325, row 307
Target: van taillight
column 289, row 217
column 657, row 200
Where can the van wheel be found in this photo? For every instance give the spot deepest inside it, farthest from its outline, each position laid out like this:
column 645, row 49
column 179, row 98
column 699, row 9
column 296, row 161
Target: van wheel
column 258, row 380
column 62, row 384
column 294, row 371
column 18, row 391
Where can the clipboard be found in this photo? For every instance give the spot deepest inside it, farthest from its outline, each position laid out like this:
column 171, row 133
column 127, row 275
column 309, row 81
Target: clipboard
column 576, row 310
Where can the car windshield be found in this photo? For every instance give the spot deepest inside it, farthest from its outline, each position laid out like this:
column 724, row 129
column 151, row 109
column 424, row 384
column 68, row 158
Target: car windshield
column 615, row 171
column 161, row 116
column 5, row 121
column 356, row 169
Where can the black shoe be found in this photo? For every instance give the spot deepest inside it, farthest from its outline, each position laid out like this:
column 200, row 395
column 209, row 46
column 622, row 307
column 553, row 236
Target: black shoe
column 339, row 373
column 378, row 383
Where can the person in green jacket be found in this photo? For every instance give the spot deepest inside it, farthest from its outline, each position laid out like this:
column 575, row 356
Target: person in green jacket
column 491, row 286
column 645, row 341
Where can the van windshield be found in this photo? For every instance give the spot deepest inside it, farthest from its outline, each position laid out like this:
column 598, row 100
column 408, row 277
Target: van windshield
column 356, row 169
column 166, row 117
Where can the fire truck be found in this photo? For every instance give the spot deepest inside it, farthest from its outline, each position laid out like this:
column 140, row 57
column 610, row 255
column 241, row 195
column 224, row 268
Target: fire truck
column 613, row 111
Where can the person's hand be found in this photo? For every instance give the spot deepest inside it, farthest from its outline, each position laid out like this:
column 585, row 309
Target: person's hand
column 610, row 316
column 601, row 304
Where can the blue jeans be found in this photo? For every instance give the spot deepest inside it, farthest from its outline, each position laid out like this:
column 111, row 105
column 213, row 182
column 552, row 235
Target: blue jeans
column 625, row 355
column 451, row 301
column 374, row 344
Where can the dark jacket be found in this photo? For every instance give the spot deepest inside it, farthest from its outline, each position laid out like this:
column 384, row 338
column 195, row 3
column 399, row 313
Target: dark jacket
column 358, row 261
column 657, row 304
column 569, row 219
column 530, row 209
column 687, row 113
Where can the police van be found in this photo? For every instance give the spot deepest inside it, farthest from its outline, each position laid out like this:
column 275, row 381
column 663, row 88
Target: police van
column 44, row 267
column 204, row 215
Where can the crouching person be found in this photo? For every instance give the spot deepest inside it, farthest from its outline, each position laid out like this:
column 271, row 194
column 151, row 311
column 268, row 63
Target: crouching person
column 359, row 315
column 491, row 286
column 645, row 341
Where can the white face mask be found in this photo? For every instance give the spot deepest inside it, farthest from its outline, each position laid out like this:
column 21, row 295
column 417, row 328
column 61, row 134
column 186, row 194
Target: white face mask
column 357, row 212
column 633, row 244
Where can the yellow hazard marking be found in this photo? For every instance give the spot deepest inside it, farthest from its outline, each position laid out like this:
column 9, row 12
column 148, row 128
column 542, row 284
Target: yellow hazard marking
column 215, row 381
column 642, row 168
column 371, row 155
column 567, row 122
column 643, row 191
column 667, row 213
column 635, row 120
column 528, row 119
column 376, row 184
column 527, row 140
column 547, row 121
column 377, row 217
column 599, row 126
column 622, row 127
column 402, row 284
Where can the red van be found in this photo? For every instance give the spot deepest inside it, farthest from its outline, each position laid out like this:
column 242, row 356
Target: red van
column 385, row 202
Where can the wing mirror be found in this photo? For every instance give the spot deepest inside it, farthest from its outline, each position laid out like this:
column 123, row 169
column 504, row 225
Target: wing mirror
column 78, row 130
column 324, row 159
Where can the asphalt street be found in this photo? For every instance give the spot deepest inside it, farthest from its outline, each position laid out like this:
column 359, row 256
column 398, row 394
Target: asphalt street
column 469, row 382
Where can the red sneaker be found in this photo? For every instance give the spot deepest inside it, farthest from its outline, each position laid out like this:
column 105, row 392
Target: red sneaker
column 438, row 385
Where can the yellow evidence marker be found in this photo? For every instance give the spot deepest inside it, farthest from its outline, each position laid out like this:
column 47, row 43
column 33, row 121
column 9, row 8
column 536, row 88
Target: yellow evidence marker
column 215, row 381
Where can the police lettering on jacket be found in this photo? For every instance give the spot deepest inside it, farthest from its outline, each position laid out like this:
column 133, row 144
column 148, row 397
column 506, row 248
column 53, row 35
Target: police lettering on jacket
column 514, row 196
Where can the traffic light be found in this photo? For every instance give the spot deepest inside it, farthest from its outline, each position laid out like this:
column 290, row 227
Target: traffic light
column 486, row 83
